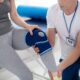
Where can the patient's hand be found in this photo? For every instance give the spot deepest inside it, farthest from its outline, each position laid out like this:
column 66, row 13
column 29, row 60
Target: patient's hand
column 36, row 49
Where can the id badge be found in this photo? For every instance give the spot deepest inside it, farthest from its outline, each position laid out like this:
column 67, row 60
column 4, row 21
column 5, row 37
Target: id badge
column 70, row 41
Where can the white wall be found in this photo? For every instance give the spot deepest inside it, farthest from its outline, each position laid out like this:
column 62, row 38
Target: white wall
column 41, row 3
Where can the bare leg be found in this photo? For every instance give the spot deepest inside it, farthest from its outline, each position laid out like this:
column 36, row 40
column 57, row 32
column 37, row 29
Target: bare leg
column 51, row 75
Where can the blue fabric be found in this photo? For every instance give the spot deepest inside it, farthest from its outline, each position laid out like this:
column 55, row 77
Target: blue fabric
column 32, row 40
column 39, row 39
column 43, row 46
column 71, row 73
column 33, row 12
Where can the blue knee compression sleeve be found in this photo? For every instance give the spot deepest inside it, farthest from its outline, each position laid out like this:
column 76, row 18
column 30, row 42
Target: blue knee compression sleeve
column 38, row 36
column 44, row 47
column 39, row 39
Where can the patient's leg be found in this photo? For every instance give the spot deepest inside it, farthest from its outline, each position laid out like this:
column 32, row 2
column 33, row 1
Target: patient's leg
column 49, row 61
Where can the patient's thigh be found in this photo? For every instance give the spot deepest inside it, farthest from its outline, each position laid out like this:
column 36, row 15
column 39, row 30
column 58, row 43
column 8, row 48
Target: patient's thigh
column 18, row 39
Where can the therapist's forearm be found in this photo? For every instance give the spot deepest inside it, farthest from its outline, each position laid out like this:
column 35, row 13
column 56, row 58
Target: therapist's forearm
column 71, row 58
column 51, row 36
column 74, row 54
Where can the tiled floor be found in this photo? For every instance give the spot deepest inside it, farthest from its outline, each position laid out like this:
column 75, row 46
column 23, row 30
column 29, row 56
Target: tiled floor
column 40, row 3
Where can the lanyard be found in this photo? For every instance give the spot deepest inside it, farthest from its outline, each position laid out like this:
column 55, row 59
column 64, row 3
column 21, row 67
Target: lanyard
column 69, row 30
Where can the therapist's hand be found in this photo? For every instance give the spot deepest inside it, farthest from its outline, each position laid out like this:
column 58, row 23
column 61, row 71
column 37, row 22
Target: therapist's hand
column 60, row 70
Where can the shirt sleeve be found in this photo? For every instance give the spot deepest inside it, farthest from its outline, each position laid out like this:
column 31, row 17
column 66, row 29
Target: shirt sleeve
column 50, row 18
